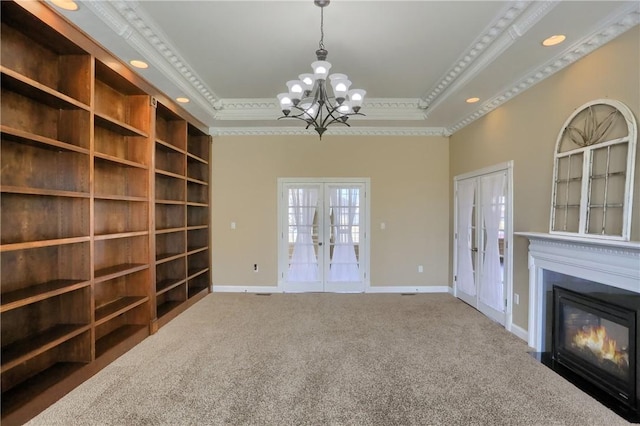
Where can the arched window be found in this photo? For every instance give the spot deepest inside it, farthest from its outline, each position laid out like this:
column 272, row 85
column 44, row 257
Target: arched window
column 593, row 173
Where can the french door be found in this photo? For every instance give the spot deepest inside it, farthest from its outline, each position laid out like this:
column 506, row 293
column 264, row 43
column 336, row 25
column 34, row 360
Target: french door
column 323, row 235
column 482, row 260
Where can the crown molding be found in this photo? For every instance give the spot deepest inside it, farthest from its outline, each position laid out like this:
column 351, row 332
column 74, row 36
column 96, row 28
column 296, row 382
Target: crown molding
column 269, row 109
column 131, row 23
column 510, row 23
column 611, row 27
column 524, row 16
column 336, row 131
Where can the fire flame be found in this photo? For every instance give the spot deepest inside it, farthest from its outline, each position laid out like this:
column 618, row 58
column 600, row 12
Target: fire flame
column 596, row 340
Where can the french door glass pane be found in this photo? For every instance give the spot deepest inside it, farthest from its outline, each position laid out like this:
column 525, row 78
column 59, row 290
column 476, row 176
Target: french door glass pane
column 467, row 240
column 491, row 289
column 303, row 234
column 344, row 207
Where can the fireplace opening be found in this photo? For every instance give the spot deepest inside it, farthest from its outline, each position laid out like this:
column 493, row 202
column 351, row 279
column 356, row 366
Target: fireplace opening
column 595, row 336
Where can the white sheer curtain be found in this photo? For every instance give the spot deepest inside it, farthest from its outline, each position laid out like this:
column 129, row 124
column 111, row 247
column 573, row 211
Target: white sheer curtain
column 465, row 278
column 345, row 208
column 303, row 265
column 491, row 288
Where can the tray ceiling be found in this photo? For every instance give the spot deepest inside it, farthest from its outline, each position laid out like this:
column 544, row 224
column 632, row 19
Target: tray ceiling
column 418, row 60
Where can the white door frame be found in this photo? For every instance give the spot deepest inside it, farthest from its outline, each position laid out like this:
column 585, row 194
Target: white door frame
column 507, row 167
column 364, row 246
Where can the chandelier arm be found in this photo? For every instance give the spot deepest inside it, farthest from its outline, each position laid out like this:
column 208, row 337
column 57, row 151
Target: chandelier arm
column 292, row 116
column 325, row 121
column 298, row 116
column 333, row 117
column 320, row 94
column 302, row 112
column 340, row 121
column 336, row 120
column 309, row 119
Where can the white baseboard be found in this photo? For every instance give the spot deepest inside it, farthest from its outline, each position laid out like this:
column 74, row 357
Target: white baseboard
column 520, row 332
column 374, row 289
column 245, row 289
column 409, row 289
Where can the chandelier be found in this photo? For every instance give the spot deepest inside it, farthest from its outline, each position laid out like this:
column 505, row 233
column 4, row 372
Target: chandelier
column 308, row 98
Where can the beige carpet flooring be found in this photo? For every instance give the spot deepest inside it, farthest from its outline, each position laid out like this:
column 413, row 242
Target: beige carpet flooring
column 316, row 359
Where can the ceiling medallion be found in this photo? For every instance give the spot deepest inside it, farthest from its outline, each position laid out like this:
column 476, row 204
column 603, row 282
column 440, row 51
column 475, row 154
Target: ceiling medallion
column 309, row 98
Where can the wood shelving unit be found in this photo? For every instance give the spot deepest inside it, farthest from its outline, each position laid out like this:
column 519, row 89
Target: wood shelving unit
column 45, row 210
column 122, row 287
column 104, row 209
column 198, row 190
column 181, row 175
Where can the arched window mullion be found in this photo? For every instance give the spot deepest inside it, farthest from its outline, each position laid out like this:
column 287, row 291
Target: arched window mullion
column 588, row 148
column 587, row 193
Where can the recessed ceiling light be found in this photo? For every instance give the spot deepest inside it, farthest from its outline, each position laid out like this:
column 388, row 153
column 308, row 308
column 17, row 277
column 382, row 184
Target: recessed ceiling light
column 553, row 40
column 472, row 100
column 65, row 4
column 182, row 100
column 139, row 64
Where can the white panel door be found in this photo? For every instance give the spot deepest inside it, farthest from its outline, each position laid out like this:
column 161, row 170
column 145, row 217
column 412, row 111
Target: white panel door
column 322, row 235
column 482, row 264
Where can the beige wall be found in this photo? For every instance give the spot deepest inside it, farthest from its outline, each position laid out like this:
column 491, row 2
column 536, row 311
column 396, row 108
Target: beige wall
column 411, row 178
column 525, row 130
column 409, row 193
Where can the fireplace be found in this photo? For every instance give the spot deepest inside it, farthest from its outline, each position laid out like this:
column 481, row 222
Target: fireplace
column 584, row 293
column 595, row 336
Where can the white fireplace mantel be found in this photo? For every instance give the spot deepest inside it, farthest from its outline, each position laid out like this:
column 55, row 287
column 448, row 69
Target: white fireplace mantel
column 609, row 262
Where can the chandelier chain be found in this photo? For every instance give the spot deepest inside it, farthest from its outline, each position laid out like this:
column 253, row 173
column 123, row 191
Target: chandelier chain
column 321, row 44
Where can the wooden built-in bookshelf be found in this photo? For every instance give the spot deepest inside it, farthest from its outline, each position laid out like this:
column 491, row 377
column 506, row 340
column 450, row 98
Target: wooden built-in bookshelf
column 181, row 182
column 104, row 209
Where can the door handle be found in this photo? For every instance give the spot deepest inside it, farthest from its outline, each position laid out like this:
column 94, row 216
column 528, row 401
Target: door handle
column 475, row 250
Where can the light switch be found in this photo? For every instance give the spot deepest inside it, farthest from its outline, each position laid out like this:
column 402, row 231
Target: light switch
column 383, row 225
column 233, row 225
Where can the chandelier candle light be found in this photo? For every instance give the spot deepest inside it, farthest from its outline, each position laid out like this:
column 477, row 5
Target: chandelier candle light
column 309, row 98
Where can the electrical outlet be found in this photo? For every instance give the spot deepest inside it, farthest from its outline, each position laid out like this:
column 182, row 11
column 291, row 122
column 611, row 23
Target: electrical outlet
column 420, row 269
column 255, row 267
column 516, row 298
